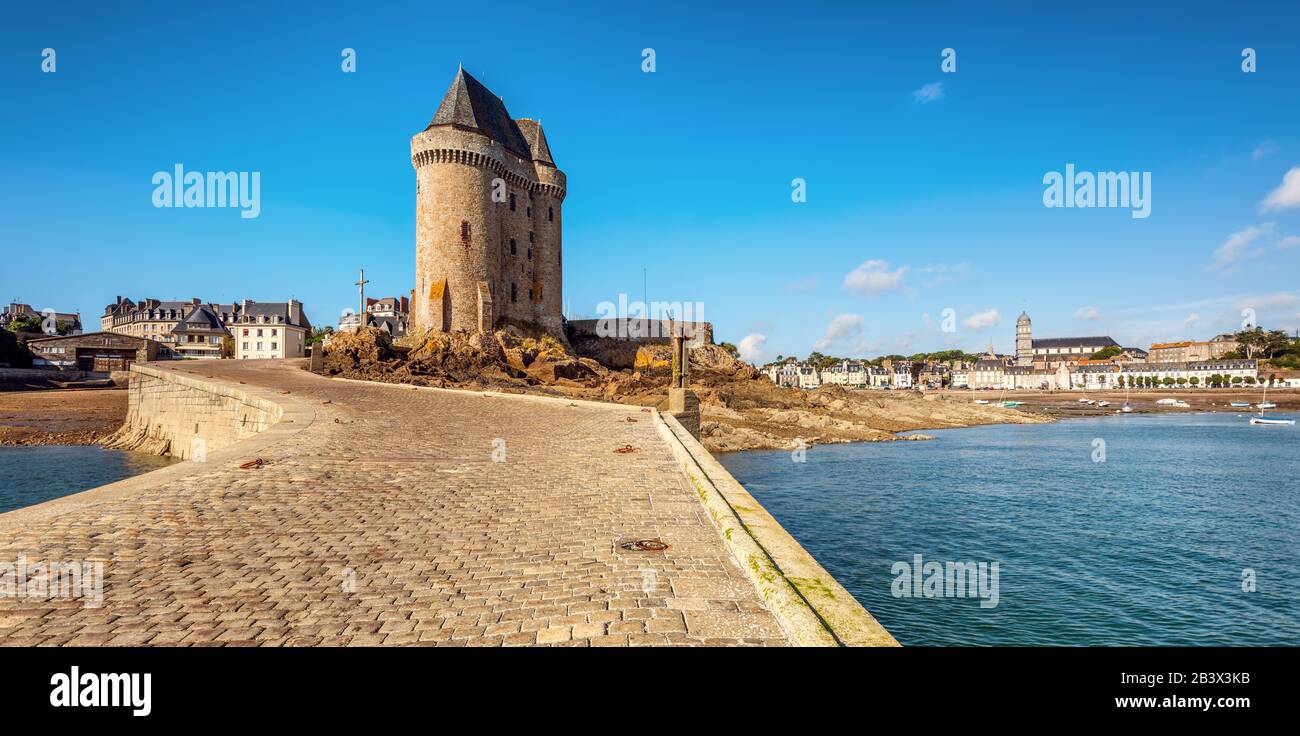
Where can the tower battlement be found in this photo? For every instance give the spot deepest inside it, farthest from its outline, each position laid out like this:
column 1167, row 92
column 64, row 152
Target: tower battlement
column 488, row 217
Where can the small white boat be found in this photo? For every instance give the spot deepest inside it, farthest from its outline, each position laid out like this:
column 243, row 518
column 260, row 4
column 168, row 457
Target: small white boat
column 981, row 401
column 1264, row 403
column 1085, row 401
column 1240, row 404
column 1182, row 404
column 1261, row 420
column 1127, row 409
column 1167, row 402
column 1103, row 403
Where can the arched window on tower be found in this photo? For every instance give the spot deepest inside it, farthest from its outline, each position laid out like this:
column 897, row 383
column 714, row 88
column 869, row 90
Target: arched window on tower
column 514, row 293
column 512, row 247
column 550, row 214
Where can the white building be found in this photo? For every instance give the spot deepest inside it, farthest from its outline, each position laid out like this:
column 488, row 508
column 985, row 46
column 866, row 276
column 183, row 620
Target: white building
column 271, row 330
column 877, row 377
column 848, row 373
column 808, row 377
column 960, row 379
column 901, row 377
column 1200, row 370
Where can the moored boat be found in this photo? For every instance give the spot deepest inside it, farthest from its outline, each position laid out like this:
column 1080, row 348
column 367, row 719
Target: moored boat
column 1261, row 420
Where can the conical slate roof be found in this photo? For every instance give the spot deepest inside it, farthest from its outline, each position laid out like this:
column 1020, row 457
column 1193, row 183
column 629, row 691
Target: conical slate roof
column 536, row 140
column 468, row 104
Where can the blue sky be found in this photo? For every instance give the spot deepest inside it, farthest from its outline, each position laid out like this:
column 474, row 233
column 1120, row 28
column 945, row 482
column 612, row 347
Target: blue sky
column 936, row 202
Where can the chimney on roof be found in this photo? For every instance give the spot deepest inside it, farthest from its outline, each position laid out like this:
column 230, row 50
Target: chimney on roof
column 295, row 312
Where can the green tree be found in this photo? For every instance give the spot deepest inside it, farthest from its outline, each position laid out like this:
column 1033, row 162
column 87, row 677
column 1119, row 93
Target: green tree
column 1195, row 381
column 1107, row 352
column 1168, row 381
column 732, row 350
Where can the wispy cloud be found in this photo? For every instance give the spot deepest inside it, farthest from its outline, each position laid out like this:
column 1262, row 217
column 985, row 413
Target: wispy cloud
column 929, row 93
column 751, row 347
column 1286, row 196
column 982, row 320
column 1087, row 313
column 1290, row 241
column 1267, row 148
column 874, row 277
column 1240, row 245
column 1191, row 321
column 841, row 328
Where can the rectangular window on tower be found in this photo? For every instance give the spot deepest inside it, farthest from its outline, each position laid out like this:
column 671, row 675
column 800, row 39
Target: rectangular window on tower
column 464, row 231
column 550, row 214
column 512, row 202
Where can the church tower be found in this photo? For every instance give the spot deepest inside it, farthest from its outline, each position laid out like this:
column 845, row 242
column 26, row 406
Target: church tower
column 1024, row 340
column 487, row 217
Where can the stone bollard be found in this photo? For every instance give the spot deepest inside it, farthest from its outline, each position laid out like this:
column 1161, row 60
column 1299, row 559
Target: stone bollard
column 685, row 405
column 317, row 358
column 682, row 401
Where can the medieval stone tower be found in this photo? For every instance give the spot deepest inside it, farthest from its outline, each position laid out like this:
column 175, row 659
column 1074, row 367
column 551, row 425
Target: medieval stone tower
column 487, row 217
column 1024, row 340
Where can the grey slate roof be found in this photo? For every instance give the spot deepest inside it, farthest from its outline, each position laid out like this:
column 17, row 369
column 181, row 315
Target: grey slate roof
column 469, row 104
column 201, row 320
column 1070, row 342
column 536, row 139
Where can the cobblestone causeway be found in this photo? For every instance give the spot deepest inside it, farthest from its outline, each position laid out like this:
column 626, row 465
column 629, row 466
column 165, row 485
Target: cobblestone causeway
column 387, row 522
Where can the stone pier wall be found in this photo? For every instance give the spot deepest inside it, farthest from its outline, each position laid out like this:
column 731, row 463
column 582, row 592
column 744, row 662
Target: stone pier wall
column 186, row 418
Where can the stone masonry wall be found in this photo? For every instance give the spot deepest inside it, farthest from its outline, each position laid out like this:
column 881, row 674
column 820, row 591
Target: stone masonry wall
column 454, row 173
column 185, row 418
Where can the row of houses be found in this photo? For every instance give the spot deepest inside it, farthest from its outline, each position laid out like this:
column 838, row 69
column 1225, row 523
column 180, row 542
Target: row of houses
column 50, row 321
column 196, row 329
column 995, row 372
column 992, row 373
column 857, row 374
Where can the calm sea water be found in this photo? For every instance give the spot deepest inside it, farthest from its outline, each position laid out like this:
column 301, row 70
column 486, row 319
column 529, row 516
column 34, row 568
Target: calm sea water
column 30, row 475
column 1145, row 548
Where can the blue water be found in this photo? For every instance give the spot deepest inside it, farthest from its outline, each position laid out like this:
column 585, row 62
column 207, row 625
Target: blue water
column 30, row 475
column 1145, row 548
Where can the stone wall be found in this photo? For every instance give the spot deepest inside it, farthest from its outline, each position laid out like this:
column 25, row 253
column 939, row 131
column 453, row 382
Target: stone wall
column 654, row 332
column 186, row 418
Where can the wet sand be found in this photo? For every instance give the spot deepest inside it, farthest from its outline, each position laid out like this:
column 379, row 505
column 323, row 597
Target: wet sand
column 60, row 416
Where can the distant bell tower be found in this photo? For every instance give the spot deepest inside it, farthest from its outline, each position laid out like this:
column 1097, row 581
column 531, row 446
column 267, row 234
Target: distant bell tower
column 1024, row 340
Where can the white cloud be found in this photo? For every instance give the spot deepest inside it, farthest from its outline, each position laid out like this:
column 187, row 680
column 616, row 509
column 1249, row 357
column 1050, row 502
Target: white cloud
column 874, row 277
column 1267, row 148
column 1088, row 313
column 842, row 327
column 982, row 320
column 751, row 347
column 1238, row 245
column 1290, row 241
column 1191, row 320
column 1286, row 196
column 929, row 93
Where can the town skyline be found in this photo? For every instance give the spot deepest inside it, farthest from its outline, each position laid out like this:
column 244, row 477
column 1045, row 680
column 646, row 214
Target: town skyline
column 862, row 266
